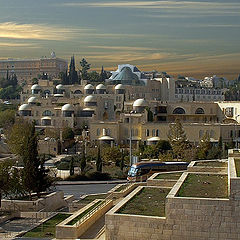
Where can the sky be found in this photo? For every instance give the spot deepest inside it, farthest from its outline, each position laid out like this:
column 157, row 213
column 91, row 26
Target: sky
column 190, row 37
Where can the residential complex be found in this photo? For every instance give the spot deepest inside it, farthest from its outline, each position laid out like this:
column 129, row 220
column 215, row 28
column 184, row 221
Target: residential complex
column 126, row 102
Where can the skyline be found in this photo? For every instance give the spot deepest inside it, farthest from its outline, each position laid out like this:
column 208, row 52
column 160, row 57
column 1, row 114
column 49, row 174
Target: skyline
column 196, row 38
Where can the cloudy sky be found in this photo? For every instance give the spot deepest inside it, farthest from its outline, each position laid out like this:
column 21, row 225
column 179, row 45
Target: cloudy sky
column 196, row 38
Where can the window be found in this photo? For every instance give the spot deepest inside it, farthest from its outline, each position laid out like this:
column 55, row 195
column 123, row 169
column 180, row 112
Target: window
column 47, row 113
column 153, row 132
column 98, row 132
column 199, row 111
column 179, row 110
column 147, row 132
column 157, row 133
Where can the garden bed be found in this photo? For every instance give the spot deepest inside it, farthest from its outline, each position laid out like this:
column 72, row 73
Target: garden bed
column 170, row 176
column 211, row 164
column 48, row 228
column 204, row 186
column 92, row 197
column 148, row 202
column 77, row 218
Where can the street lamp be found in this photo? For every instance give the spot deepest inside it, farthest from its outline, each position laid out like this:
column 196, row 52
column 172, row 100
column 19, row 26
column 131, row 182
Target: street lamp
column 130, row 138
column 236, row 137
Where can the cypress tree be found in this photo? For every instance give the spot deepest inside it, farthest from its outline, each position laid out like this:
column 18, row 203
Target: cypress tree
column 83, row 161
column 99, row 161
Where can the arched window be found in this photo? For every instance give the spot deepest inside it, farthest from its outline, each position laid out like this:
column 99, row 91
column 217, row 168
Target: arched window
column 153, row 132
column 47, row 113
column 157, row 133
column 147, row 132
column 98, row 132
column 199, row 111
column 77, row 92
column 47, row 92
column 178, row 110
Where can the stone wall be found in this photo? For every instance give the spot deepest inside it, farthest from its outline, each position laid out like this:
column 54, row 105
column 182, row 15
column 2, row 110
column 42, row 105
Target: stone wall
column 186, row 219
column 50, row 202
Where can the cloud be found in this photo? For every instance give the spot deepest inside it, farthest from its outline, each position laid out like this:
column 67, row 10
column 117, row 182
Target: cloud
column 15, row 30
column 156, row 4
column 124, row 48
column 18, row 45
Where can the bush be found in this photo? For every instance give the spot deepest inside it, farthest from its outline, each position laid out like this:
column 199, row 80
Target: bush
column 98, row 176
column 77, row 177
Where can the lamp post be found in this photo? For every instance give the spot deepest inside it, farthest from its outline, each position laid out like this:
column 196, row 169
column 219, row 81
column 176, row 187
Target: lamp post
column 130, row 138
column 236, row 135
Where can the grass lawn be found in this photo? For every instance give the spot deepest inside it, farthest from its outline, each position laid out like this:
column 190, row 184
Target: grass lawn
column 90, row 198
column 237, row 166
column 211, row 164
column 47, row 229
column 76, row 219
column 171, row 176
column 204, row 186
column 149, row 202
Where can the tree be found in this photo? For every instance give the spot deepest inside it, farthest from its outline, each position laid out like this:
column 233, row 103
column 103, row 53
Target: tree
column 103, row 75
column 111, row 154
column 73, row 76
column 71, row 167
column 178, row 139
column 5, row 175
column 34, row 81
column 23, row 141
column 83, row 162
column 99, row 161
column 93, row 76
column 122, row 164
column 67, row 134
column 204, row 147
column 85, row 66
column 7, row 118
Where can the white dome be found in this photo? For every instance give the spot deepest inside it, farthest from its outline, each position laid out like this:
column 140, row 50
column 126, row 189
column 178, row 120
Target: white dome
column 100, row 87
column 60, row 87
column 119, row 87
column 90, row 98
column 25, row 107
column 32, row 100
column 140, row 103
column 88, row 87
column 67, row 107
column 58, row 95
column 36, row 87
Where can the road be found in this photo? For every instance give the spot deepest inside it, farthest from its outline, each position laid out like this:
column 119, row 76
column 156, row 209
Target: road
column 79, row 190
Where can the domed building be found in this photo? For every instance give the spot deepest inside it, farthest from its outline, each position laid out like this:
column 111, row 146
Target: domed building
column 119, row 89
column 89, row 89
column 90, row 101
column 139, row 105
column 25, row 110
column 32, row 101
column 100, row 89
column 36, row 89
column 67, row 110
column 60, row 89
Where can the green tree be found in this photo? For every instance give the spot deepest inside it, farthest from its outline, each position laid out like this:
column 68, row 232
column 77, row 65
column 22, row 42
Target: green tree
column 178, row 139
column 5, row 176
column 93, row 76
column 67, row 134
column 122, row 164
column 85, row 66
column 99, row 162
column 103, row 75
column 111, row 154
column 71, row 167
column 7, row 118
column 204, row 147
column 83, row 162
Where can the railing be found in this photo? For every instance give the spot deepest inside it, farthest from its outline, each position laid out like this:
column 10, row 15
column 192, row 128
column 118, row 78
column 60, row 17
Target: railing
column 90, row 213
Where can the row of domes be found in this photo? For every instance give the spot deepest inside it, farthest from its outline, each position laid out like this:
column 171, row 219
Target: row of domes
column 87, row 87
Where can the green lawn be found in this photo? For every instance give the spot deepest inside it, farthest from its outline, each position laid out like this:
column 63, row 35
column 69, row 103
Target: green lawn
column 48, row 228
column 204, row 186
column 149, row 202
column 76, row 219
column 237, row 166
column 171, row 176
column 91, row 198
column 211, row 164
